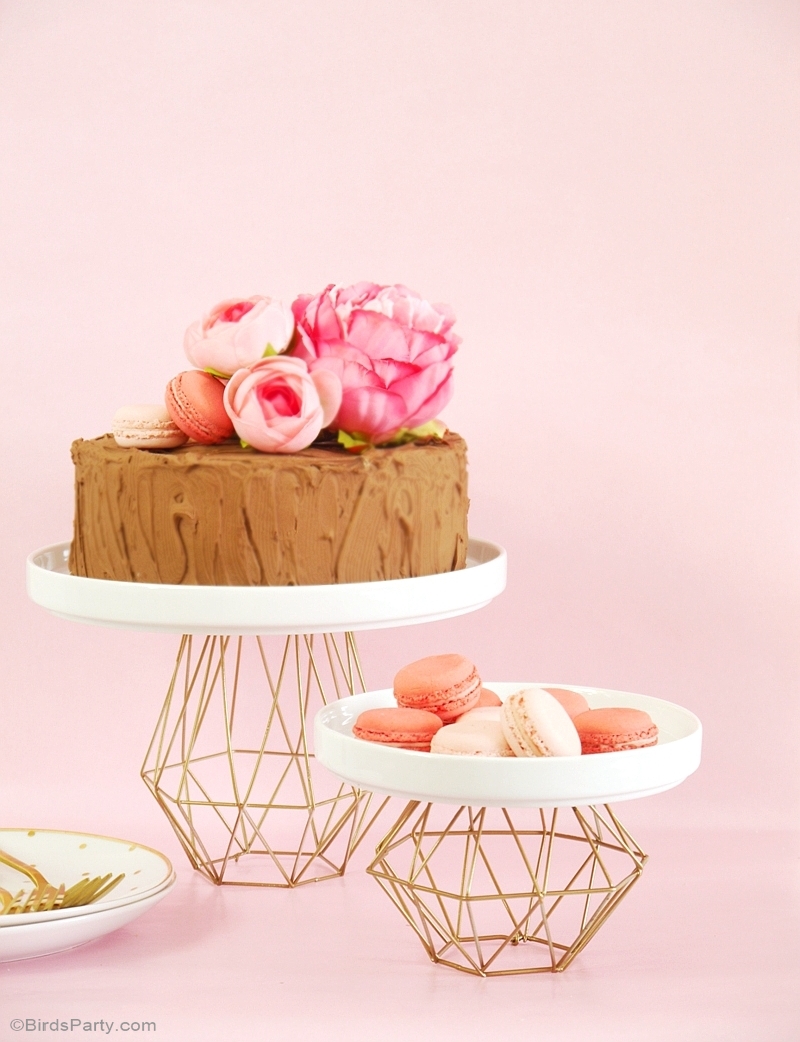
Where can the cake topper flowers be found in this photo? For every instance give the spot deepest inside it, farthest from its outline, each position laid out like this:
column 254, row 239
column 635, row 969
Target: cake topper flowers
column 374, row 364
column 276, row 405
column 236, row 333
column 392, row 351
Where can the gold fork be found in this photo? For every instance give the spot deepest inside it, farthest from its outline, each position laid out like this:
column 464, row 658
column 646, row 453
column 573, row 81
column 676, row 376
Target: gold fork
column 37, row 900
column 42, row 898
column 45, row 896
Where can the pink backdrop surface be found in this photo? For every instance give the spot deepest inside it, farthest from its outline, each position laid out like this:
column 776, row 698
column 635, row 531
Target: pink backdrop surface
column 607, row 195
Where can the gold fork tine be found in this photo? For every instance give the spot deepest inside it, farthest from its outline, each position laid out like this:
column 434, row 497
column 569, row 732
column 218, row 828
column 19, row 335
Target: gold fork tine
column 38, row 900
column 18, row 903
column 77, row 893
column 31, row 902
column 108, row 887
column 90, row 890
column 54, row 899
column 44, row 897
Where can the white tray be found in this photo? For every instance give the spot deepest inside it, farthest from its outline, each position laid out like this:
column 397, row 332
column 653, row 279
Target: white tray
column 265, row 609
column 563, row 781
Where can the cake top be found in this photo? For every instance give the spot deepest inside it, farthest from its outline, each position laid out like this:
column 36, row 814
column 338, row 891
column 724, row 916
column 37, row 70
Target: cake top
column 372, row 364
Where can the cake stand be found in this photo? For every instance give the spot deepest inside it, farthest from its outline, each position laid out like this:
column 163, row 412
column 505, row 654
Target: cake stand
column 231, row 760
column 506, row 865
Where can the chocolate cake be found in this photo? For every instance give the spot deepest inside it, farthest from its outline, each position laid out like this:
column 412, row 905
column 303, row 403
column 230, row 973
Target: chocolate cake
column 229, row 516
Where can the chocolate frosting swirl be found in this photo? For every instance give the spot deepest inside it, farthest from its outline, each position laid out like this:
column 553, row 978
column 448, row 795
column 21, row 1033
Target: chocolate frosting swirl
column 227, row 516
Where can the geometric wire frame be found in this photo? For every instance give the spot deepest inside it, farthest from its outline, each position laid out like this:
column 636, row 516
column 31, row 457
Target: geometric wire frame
column 236, row 776
column 491, row 896
column 238, row 781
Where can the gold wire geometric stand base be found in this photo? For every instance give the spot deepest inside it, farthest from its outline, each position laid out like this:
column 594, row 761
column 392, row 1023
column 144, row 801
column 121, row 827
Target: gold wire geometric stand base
column 236, row 775
column 491, row 896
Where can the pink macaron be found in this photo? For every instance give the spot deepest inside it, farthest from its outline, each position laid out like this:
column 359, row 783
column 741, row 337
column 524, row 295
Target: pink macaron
column 478, row 716
column 145, row 427
column 615, row 729
column 479, row 737
column 572, row 701
column 398, row 727
column 447, row 685
column 536, row 724
column 195, row 403
column 488, row 698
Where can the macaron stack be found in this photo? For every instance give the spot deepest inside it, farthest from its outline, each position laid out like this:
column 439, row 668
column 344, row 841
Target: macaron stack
column 193, row 410
column 444, row 708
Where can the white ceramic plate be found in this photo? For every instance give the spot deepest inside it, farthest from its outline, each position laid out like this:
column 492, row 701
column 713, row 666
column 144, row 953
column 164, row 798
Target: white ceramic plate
column 265, row 609
column 558, row 781
column 67, row 857
column 57, row 935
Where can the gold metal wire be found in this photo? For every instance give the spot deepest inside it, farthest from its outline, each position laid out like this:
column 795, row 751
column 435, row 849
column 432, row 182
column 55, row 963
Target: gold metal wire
column 490, row 895
column 231, row 765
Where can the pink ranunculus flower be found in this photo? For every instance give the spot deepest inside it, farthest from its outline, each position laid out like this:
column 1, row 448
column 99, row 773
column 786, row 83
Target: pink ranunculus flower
column 276, row 405
column 392, row 351
column 237, row 333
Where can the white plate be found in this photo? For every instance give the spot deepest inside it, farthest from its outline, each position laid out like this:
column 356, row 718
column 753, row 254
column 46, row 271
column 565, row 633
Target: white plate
column 558, row 781
column 67, row 857
column 57, row 935
column 334, row 608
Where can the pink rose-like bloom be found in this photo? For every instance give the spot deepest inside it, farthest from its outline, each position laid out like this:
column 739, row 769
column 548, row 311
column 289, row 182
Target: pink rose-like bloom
column 237, row 333
column 276, row 405
column 392, row 351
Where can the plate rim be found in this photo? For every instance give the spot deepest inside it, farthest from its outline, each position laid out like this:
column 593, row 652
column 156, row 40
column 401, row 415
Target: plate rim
column 91, row 601
column 5, row 829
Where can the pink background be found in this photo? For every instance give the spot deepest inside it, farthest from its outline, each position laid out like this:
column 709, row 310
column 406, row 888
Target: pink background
column 607, row 195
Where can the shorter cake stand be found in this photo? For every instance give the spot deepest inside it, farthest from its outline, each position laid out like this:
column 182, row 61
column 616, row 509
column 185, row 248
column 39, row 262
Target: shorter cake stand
column 507, row 865
column 231, row 761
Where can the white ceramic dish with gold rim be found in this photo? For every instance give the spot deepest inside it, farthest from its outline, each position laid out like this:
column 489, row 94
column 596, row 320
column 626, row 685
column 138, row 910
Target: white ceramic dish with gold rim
column 68, row 857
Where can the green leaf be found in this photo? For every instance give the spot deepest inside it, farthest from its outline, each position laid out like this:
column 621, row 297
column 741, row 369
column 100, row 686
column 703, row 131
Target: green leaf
column 353, row 442
column 433, row 430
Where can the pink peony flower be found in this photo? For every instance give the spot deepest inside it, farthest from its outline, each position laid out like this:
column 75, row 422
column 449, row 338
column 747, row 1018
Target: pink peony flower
column 276, row 405
column 392, row 351
column 237, row 333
